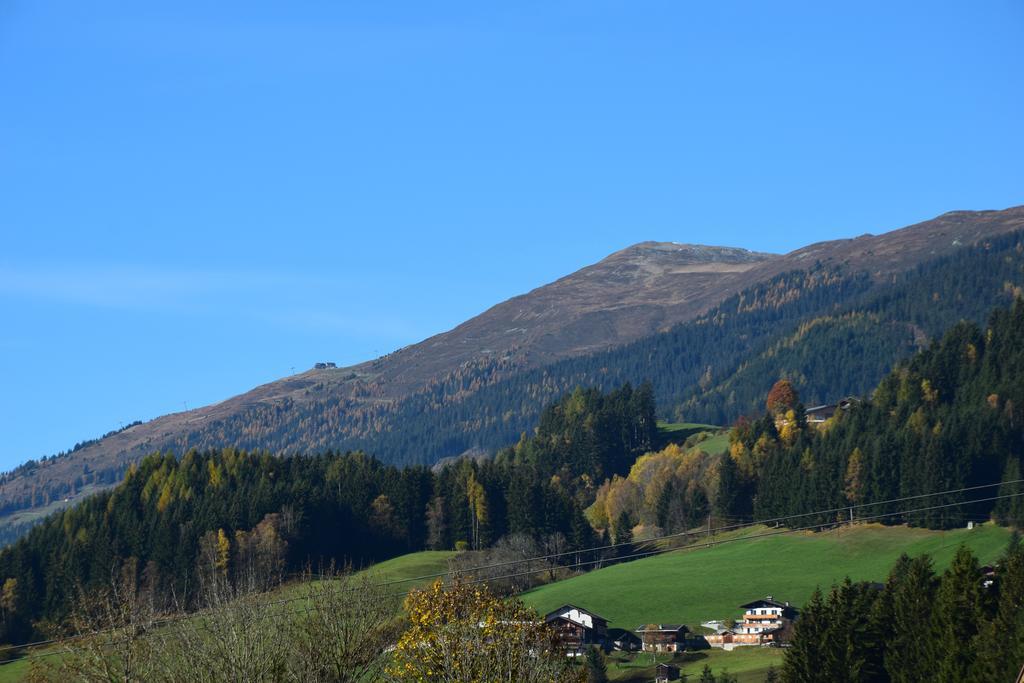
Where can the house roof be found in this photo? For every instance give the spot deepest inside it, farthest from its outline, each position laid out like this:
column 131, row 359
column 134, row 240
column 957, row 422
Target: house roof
column 660, row 628
column 556, row 613
column 765, row 602
column 622, row 634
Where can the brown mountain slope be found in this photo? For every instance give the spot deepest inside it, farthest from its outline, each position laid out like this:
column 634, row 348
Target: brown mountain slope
column 630, row 294
column 627, row 295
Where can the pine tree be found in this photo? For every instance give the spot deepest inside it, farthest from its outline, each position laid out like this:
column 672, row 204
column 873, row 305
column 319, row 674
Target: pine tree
column 911, row 586
column 623, row 535
column 805, row 659
column 706, row 676
column 1000, row 645
column 1010, row 511
column 597, row 669
column 729, row 498
column 957, row 618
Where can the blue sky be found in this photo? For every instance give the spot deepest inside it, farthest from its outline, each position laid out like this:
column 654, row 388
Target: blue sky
column 200, row 196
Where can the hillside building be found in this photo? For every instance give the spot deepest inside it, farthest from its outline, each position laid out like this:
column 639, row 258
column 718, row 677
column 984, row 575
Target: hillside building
column 764, row 622
column 664, row 673
column 663, row 637
column 577, row 629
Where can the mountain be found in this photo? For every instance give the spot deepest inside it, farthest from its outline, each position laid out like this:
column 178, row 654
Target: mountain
column 479, row 385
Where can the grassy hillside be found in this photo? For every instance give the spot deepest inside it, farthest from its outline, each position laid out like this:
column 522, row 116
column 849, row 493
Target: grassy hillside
column 693, row 586
column 750, row 665
column 411, row 566
column 397, row 569
column 679, row 432
column 697, row 585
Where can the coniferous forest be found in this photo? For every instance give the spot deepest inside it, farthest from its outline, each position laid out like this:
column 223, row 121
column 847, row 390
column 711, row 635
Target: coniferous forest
column 950, row 417
column 830, row 331
column 962, row 626
column 254, row 511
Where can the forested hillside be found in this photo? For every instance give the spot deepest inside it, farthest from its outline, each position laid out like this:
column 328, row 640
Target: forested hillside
column 963, row 625
column 833, row 332
column 951, row 417
column 948, row 418
column 831, row 316
column 256, row 514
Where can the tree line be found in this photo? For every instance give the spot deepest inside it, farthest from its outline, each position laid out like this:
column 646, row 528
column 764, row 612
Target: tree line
column 951, row 417
column 257, row 515
column 962, row 626
column 831, row 331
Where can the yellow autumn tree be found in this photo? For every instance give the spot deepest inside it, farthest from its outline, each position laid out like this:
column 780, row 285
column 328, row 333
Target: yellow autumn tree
column 477, row 496
column 854, row 480
column 223, row 552
column 463, row 633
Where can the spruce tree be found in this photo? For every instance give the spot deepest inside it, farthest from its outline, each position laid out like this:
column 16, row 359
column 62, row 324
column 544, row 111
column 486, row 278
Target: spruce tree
column 1000, row 644
column 804, row 660
column 1010, row 511
column 911, row 585
column 623, row 535
column 597, row 670
column 957, row 619
column 728, row 501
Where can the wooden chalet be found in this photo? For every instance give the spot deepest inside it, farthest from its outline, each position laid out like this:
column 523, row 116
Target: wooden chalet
column 663, row 673
column 576, row 629
column 764, row 622
column 621, row 639
column 663, row 637
column 818, row 415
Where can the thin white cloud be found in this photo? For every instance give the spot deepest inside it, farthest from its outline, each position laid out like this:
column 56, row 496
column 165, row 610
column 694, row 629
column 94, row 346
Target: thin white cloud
column 263, row 297
column 133, row 287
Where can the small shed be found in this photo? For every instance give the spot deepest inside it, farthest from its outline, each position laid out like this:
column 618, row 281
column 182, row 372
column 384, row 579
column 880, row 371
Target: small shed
column 621, row 639
column 664, row 673
column 663, row 637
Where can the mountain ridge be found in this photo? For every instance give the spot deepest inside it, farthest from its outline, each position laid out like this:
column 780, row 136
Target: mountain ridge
column 633, row 293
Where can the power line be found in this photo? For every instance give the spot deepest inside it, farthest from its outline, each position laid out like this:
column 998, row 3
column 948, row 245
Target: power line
column 612, row 546
column 732, row 527
column 550, row 556
column 637, row 555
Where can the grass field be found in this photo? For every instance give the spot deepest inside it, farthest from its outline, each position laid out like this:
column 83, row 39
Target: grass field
column 749, row 664
column 399, row 569
column 691, row 586
column 678, row 432
column 14, row 671
column 411, row 566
